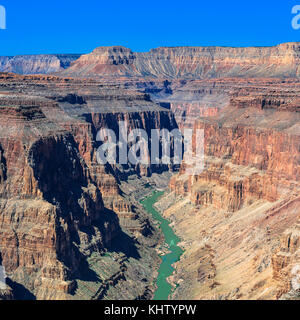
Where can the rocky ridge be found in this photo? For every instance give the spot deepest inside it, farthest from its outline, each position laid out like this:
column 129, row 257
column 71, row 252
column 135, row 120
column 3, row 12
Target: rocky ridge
column 37, row 64
column 190, row 62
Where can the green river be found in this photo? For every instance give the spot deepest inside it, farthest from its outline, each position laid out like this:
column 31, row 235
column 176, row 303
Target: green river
column 164, row 289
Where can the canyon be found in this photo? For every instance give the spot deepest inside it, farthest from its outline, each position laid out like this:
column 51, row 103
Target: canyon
column 67, row 229
column 71, row 228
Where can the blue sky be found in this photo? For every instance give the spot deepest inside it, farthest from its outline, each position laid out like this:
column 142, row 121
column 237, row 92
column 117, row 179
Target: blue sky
column 67, row 26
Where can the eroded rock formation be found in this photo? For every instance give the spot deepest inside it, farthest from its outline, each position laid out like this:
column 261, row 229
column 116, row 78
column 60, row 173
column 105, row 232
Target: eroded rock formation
column 190, row 62
column 64, row 221
column 238, row 218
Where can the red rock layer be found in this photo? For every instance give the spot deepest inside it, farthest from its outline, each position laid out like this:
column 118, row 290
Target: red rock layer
column 251, row 159
column 47, row 198
column 58, row 206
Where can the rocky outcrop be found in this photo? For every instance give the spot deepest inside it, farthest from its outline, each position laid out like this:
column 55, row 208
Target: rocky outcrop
column 5, row 291
column 285, row 263
column 190, row 62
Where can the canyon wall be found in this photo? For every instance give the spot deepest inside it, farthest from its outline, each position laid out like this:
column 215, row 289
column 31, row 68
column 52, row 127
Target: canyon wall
column 50, row 208
column 66, row 229
column 238, row 218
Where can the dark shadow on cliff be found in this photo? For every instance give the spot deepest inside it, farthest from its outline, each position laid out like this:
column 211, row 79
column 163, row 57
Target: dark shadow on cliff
column 19, row 291
column 84, row 272
column 122, row 242
column 3, row 166
column 125, row 244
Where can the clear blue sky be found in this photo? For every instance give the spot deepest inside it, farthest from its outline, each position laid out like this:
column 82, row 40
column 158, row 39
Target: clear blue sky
column 67, row 26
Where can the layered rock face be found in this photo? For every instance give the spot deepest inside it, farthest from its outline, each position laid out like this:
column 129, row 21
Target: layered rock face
column 67, row 232
column 50, row 207
column 238, row 218
column 190, row 62
column 285, row 263
column 190, row 100
column 37, row 64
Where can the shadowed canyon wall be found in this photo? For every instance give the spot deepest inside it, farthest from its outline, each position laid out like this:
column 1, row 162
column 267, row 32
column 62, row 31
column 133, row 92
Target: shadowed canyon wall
column 63, row 215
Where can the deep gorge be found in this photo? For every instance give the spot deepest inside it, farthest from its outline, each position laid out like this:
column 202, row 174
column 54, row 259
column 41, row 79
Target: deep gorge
column 73, row 229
